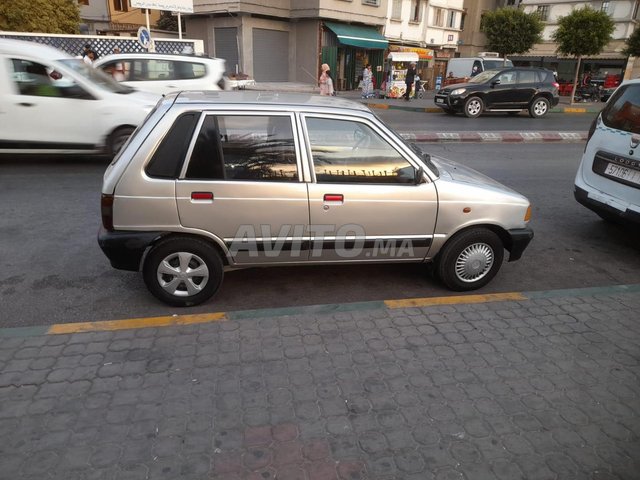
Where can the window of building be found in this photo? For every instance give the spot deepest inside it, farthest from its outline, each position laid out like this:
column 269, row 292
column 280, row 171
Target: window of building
column 511, row 2
column 438, row 17
column 416, row 12
column 463, row 17
column 121, row 5
column 543, row 12
column 396, row 10
column 346, row 151
column 635, row 10
column 451, row 20
column 605, row 7
column 244, row 147
column 372, row 3
column 83, row 2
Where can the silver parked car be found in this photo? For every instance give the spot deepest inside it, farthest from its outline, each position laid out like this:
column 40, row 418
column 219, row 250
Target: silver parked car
column 237, row 179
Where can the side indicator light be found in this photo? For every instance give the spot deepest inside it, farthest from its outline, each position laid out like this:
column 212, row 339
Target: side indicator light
column 527, row 216
column 466, row 210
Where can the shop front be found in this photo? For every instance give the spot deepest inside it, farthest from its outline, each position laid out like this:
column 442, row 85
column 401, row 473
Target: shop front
column 348, row 48
column 424, row 61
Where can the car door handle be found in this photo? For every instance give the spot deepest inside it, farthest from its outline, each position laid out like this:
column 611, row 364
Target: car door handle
column 202, row 197
column 26, row 104
column 333, row 198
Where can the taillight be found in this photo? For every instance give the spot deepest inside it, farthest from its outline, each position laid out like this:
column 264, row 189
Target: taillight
column 106, row 209
column 592, row 130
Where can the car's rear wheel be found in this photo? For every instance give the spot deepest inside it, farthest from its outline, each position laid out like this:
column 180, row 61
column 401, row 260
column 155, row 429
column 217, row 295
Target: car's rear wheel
column 118, row 138
column 470, row 259
column 473, row 107
column 183, row 271
column 539, row 107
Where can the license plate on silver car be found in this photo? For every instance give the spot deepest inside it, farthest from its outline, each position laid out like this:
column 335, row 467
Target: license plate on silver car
column 623, row 173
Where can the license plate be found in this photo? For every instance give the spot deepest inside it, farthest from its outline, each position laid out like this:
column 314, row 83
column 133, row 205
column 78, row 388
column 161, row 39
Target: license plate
column 623, row 173
column 439, row 100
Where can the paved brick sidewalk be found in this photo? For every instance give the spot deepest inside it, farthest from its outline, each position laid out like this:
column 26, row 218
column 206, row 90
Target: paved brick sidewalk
column 542, row 388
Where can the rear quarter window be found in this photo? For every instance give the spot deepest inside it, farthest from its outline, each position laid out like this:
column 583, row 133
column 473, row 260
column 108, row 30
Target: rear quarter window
column 623, row 110
column 168, row 158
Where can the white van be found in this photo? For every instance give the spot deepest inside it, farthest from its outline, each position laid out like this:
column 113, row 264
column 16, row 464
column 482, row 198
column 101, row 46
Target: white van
column 51, row 102
column 162, row 74
column 471, row 66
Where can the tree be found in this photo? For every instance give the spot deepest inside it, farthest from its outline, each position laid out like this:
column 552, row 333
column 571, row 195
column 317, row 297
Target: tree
column 168, row 22
column 632, row 44
column 42, row 16
column 511, row 30
column 581, row 33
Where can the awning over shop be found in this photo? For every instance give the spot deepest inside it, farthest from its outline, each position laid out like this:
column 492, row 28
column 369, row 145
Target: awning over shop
column 357, row 36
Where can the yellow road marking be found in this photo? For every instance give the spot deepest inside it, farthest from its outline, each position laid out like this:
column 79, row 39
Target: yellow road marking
column 427, row 302
column 574, row 110
column 133, row 323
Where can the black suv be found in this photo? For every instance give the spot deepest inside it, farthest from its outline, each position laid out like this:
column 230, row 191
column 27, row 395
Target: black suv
column 502, row 90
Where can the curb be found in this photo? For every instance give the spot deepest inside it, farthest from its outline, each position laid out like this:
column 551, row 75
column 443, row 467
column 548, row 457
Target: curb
column 496, row 137
column 194, row 319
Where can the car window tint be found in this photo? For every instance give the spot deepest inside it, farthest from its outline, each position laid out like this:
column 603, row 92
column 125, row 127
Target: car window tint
column 527, row 76
column 623, row 110
column 38, row 80
column 345, row 151
column 189, row 70
column 244, row 147
column 169, row 156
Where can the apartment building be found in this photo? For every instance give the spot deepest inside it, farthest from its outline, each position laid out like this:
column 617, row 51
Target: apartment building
column 113, row 17
column 429, row 28
column 625, row 15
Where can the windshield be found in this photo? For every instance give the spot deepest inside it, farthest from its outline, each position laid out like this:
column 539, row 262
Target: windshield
column 484, row 76
column 97, row 77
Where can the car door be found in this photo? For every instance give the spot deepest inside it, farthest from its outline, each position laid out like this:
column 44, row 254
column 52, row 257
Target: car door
column 501, row 93
column 243, row 184
column 48, row 110
column 529, row 82
column 364, row 201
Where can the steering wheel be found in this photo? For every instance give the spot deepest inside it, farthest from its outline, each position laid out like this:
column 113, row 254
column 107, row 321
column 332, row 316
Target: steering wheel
column 361, row 139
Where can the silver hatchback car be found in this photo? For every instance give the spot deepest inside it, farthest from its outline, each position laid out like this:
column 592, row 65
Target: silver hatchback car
column 216, row 180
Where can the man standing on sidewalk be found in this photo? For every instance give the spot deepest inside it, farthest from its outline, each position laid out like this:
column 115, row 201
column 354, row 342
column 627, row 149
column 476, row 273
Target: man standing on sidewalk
column 409, row 80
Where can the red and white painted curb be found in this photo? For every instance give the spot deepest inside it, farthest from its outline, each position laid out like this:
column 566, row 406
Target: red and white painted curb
column 495, row 137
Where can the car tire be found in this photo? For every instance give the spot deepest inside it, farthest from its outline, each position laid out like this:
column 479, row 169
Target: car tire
column 539, row 107
column 473, row 107
column 470, row 259
column 168, row 271
column 118, row 138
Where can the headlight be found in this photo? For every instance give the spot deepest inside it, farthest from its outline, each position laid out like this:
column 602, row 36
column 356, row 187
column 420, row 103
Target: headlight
column 458, row 91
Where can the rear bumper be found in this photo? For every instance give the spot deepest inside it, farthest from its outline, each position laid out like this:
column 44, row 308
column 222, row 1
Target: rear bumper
column 519, row 239
column 601, row 208
column 125, row 249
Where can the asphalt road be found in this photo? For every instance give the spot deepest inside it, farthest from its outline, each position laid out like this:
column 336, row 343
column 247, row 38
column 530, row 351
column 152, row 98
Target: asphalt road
column 52, row 270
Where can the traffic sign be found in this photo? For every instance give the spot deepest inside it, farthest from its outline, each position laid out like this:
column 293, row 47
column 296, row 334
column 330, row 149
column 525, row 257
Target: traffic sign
column 144, row 37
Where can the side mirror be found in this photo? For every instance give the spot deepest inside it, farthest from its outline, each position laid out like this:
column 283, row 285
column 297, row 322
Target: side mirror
column 495, row 82
column 419, row 178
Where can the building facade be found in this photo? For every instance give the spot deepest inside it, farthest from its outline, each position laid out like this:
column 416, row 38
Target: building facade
column 113, row 17
column 611, row 61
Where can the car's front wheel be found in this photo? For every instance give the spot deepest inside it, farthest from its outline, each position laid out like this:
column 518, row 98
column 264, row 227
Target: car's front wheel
column 470, row 259
column 183, row 272
column 473, row 107
column 539, row 107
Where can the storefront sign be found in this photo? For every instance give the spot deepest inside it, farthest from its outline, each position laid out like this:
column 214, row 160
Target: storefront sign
column 423, row 53
column 443, row 53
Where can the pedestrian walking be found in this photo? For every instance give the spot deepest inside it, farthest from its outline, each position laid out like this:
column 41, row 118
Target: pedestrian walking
column 409, row 79
column 325, row 81
column 367, row 82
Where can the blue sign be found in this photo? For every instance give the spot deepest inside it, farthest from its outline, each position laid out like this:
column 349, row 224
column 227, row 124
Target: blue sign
column 144, row 37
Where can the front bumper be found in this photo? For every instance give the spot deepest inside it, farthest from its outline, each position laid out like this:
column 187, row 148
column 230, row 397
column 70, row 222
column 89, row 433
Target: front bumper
column 518, row 240
column 125, row 249
column 449, row 102
column 603, row 209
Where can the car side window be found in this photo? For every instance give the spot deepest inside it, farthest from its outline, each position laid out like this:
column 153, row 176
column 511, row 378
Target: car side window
column 346, row 151
column 527, row 76
column 39, row 80
column 622, row 112
column 189, row 70
column 168, row 158
column 507, row 78
column 245, row 147
column 152, row 69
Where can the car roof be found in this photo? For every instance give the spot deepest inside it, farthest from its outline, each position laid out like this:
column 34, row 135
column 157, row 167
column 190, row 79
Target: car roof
column 261, row 98
column 20, row 47
column 159, row 56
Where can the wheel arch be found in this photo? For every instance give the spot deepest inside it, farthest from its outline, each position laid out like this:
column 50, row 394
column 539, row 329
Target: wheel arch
column 213, row 241
column 501, row 232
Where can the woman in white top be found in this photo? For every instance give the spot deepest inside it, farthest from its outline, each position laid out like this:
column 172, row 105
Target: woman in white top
column 325, row 81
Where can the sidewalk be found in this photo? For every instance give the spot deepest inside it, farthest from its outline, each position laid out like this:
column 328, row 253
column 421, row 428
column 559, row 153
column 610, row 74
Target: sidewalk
column 536, row 385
